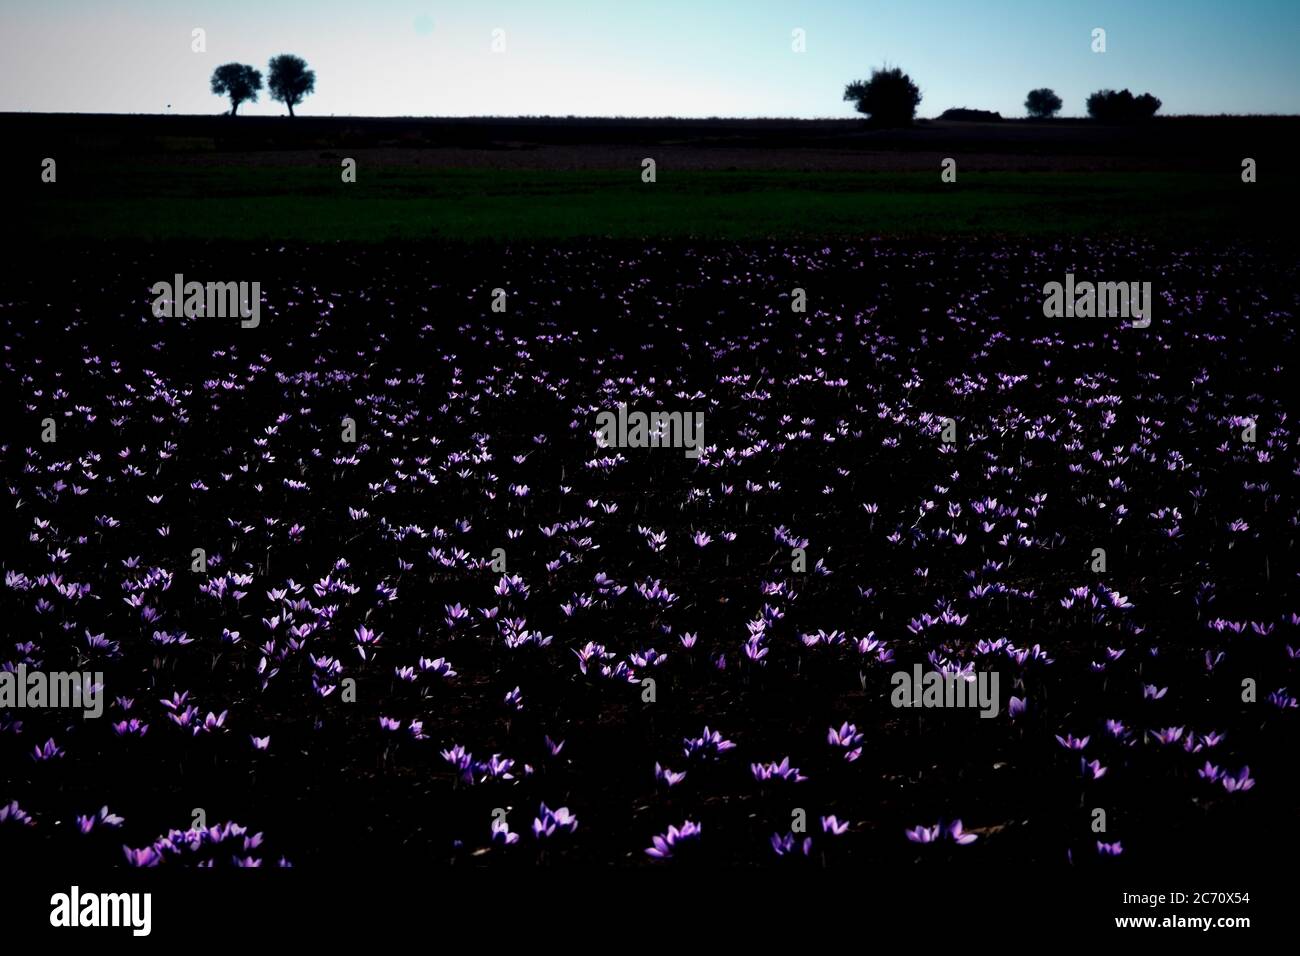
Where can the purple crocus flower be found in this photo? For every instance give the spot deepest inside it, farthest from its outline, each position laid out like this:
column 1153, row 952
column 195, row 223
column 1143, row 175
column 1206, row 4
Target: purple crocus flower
column 461, row 759
column 663, row 846
column 960, row 836
column 213, row 722
column 512, row 585
column 846, row 736
column 11, row 811
column 49, row 751
column 437, row 666
column 1241, row 783
column 834, row 826
column 932, row 834
column 367, row 641
column 669, row 777
column 781, row 770
column 1282, row 699
column 787, row 844
column 104, row 817
column 923, row 834
column 548, row 821
column 501, row 832
column 145, row 857
column 129, row 728
column 709, row 743
column 1092, row 768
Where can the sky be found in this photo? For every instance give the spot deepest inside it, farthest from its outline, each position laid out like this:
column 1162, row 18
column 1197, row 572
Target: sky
column 689, row 58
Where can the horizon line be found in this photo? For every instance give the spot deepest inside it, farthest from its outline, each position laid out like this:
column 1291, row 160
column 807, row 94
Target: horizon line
column 619, row 117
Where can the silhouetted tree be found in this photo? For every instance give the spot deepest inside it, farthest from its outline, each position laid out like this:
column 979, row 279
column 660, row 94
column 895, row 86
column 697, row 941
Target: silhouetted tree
column 1042, row 103
column 1122, row 107
column 238, row 81
column 1146, row 106
column 290, row 80
column 890, row 97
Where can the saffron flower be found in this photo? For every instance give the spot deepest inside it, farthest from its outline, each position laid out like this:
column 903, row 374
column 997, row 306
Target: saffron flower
column 662, row 847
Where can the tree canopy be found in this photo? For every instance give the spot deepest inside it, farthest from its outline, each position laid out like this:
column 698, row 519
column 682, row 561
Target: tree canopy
column 289, row 80
column 890, row 97
column 239, row 81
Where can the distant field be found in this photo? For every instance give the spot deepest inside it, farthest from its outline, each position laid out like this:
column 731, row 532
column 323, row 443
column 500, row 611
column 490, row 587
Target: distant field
column 1169, row 143
column 312, row 203
column 211, row 177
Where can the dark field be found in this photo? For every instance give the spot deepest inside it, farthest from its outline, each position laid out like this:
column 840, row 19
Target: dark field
column 258, row 179
column 327, row 561
column 442, row 642
column 1167, row 144
column 264, row 203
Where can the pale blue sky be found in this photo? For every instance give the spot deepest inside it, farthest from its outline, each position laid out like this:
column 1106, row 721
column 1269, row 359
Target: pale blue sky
column 643, row 58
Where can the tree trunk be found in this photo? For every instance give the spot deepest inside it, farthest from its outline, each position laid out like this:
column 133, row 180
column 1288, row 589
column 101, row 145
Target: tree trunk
column 290, row 105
